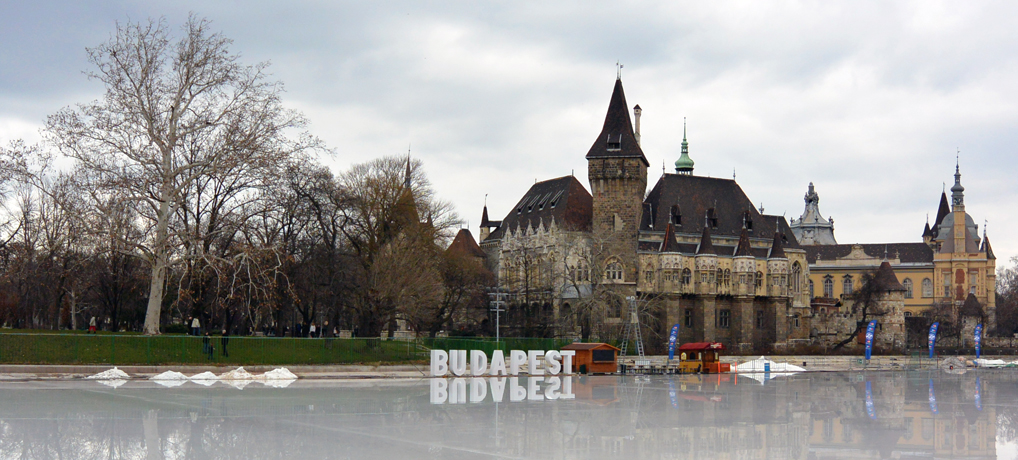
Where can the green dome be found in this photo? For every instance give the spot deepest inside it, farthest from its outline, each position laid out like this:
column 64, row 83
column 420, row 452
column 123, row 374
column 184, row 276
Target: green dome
column 684, row 165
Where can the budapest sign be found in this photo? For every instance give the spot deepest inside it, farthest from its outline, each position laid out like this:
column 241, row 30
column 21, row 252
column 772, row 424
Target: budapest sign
column 533, row 362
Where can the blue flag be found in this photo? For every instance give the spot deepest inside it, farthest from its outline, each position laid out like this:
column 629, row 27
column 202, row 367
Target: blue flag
column 932, row 339
column 869, row 338
column 979, row 339
column 671, row 341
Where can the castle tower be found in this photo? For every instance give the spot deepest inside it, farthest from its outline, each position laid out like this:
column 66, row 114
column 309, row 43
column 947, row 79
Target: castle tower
column 706, row 282
column 812, row 228
column 617, row 170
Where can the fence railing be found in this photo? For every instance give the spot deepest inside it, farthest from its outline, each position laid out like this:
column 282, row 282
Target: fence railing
column 118, row 349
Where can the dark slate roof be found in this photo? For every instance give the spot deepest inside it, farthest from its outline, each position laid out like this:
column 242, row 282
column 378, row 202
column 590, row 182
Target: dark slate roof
column 564, row 199
column 668, row 243
column 885, row 277
column 909, row 253
column 942, row 212
column 971, row 307
column 705, row 246
column 618, row 129
column 484, row 217
column 744, row 249
column 777, row 251
column 927, row 231
column 696, row 195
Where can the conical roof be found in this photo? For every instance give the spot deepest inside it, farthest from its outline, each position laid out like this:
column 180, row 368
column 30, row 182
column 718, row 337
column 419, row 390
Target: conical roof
column 617, row 139
column 464, row 244
column 886, row 278
column 942, row 212
column 926, row 231
column 744, row 249
column 669, row 244
column 484, row 217
column 705, row 247
column 777, row 250
column 987, row 249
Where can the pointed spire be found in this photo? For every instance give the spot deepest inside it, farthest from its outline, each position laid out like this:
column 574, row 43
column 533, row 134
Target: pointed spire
column 684, row 165
column 744, row 249
column 484, row 217
column 886, row 279
column 705, row 247
column 777, row 249
column 987, row 249
column 942, row 211
column 406, row 176
column 617, row 138
column 957, row 191
column 669, row 244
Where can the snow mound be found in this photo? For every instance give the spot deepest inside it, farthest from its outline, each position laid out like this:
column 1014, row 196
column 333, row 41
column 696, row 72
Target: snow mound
column 763, row 364
column 990, row 363
column 111, row 374
column 280, row 373
column 205, row 376
column 237, row 374
column 170, row 375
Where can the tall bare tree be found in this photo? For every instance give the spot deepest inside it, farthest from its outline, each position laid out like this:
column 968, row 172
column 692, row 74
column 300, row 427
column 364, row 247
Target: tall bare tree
column 175, row 112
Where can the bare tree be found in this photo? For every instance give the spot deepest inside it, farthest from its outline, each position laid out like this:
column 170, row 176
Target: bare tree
column 865, row 306
column 174, row 112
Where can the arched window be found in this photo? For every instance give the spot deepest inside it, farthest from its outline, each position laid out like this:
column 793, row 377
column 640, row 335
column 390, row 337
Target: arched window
column 687, row 276
column 613, row 271
column 828, row 287
column 795, row 281
column 811, row 293
column 759, row 279
column 927, row 287
column 720, row 277
column 847, row 285
column 908, row 288
column 728, row 276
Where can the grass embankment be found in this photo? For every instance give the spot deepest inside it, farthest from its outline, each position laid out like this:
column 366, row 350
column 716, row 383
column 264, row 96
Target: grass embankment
column 125, row 348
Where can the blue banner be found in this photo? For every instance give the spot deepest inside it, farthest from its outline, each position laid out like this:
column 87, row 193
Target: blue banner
column 869, row 338
column 932, row 339
column 671, row 341
column 979, row 339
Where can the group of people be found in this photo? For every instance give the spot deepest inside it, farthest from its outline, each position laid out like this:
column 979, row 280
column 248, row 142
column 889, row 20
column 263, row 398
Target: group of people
column 208, row 343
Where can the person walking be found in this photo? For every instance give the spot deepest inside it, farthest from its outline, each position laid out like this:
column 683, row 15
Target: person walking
column 311, row 331
column 223, row 341
column 91, row 325
column 207, row 344
column 196, row 327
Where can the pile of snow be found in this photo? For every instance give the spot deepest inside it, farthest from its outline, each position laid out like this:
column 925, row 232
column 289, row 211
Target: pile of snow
column 112, row 374
column 280, row 373
column 204, row 377
column 236, row 374
column 760, row 365
column 170, row 375
column 990, row 363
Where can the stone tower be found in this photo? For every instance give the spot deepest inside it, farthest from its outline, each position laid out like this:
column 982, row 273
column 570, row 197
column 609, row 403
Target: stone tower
column 617, row 169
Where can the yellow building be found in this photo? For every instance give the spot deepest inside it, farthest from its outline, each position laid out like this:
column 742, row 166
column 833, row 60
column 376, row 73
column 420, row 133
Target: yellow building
column 951, row 262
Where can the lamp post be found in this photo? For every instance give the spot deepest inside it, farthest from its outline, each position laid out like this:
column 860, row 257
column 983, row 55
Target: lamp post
column 497, row 304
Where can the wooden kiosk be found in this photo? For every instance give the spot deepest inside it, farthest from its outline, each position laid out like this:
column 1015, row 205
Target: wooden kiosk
column 702, row 357
column 594, row 358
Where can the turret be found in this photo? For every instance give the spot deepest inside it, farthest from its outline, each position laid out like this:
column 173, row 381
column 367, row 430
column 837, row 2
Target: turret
column 706, row 262
column 777, row 268
column 684, row 165
column 744, row 265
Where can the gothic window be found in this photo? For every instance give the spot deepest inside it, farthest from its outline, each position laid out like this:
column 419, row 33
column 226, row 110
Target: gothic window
column 674, row 216
column 760, row 319
column 648, row 276
column 720, row 277
column 846, row 285
column 759, row 279
column 613, row 271
column 728, row 276
column 686, row 276
column 811, row 292
column 828, row 287
column 724, row 318
column 688, row 318
column 703, row 277
column 796, row 278
column 742, row 278
column 927, row 287
column 908, row 288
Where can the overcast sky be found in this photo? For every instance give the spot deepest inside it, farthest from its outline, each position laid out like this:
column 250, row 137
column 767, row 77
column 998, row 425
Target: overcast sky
column 869, row 101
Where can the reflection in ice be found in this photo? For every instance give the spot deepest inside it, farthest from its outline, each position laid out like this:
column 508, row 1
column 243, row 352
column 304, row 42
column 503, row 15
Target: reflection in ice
column 803, row 416
column 112, row 382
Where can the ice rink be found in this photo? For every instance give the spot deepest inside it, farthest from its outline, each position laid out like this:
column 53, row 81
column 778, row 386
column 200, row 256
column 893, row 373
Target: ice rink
column 820, row 415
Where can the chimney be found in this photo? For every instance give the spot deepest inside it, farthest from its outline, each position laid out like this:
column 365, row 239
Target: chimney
column 636, row 114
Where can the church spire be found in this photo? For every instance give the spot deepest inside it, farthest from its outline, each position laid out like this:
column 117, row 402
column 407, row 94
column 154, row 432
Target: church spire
column 684, row 165
column 957, row 191
column 617, row 138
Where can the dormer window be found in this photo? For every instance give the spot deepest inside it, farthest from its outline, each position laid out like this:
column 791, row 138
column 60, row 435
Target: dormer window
column 530, row 207
column 614, row 142
column 554, row 201
column 544, row 201
column 674, row 216
column 712, row 219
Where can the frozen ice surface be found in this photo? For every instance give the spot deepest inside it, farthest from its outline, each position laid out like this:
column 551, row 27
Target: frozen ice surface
column 811, row 415
column 170, row 383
